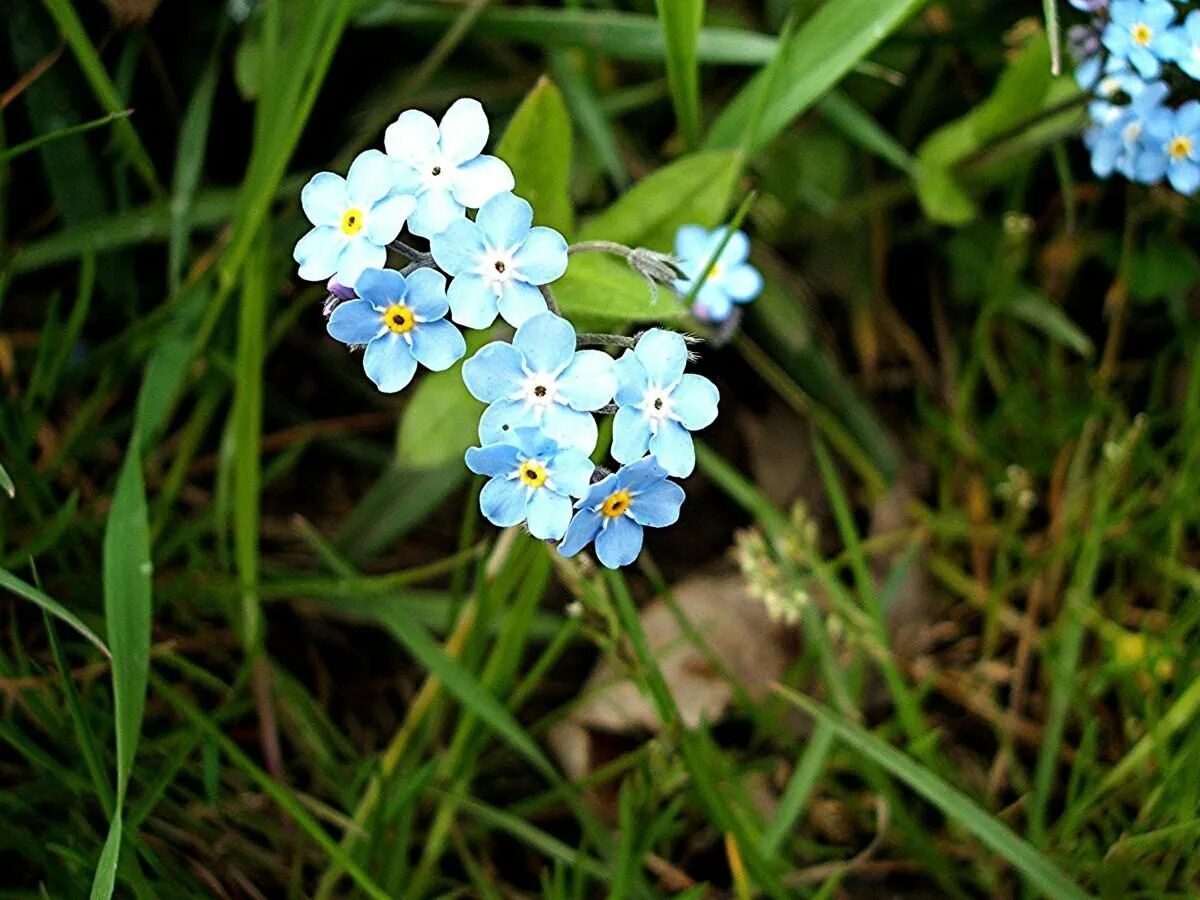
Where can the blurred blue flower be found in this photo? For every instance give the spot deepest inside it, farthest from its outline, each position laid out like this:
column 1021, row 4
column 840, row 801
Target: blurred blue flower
column 532, row 480
column 1114, row 138
column 444, row 166
column 1186, row 47
column 1139, row 31
column 402, row 322
column 498, row 261
column 356, row 217
column 659, row 405
column 540, row 380
column 614, row 512
column 1089, row 5
column 1171, row 147
column 731, row 279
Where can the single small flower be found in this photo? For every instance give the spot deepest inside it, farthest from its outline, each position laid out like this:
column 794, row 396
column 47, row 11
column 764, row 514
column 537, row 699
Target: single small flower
column 1115, row 138
column 1138, row 30
column 401, row 320
column 615, row 511
column 444, row 165
column 541, row 381
column 730, row 279
column 1186, row 48
column 1171, row 147
column 532, row 480
column 355, row 218
column 498, row 261
column 659, row 406
column 340, row 290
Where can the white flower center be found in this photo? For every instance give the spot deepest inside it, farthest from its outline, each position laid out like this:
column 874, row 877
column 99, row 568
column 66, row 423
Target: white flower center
column 1109, row 86
column 656, row 406
column 497, row 267
column 436, row 172
column 1132, row 132
column 538, row 390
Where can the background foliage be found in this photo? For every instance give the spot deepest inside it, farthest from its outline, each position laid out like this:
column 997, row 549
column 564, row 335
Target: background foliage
column 256, row 642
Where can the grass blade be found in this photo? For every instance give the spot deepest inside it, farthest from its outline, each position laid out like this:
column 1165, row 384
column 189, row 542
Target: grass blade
column 15, row 585
column 681, row 21
column 6, row 482
column 33, row 143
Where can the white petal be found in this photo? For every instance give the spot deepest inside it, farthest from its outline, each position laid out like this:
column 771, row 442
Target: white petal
column 481, row 179
column 464, row 131
column 412, row 138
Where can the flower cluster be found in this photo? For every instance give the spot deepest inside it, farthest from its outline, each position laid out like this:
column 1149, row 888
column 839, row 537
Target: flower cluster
column 1140, row 59
column 545, row 387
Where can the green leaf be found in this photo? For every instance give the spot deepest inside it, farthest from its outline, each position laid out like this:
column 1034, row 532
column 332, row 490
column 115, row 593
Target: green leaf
column 105, row 878
column 606, row 288
column 6, row 482
column 189, row 161
column 34, row 143
column 681, row 21
column 1039, row 311
column 537, row 147
column 942, row 197
column 696, row 189
column 15, row 585
column 441, row 420
column 991, row 831
column 827, row 46
column 590, row 116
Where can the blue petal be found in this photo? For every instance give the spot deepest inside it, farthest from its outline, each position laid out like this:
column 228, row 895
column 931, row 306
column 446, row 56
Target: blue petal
column 493, row 460
column 318, row 252
column 547, row 342
column 691, row 243
column 571, row 428
column 638, row 475
column 1187, row 117
column 472, row 301
column 548, row 515
column 427, row 294
column 673, row 448
column 438, row 345
column 480, row 179
column 571, row 471
column 502, row 501
column 742, row 282
column 494, row 372
column 383, row 287
column 631, row 435
column 712, row 303
column 1185, row 177
column 582, row 530
column 619, row 542
column 597, row 492
column 663, row 354
column 357, row 255
column 542, row 258
column 502, row 418
column 535, row 443
column 588, row 382
column 460, row 248
column 520, row 302
column 736, row 250
column 658, row 505
column 323, row 199
column 436, row 211
column 386, row 218
column 694, row 401
column 389, row 363
column 505, row 221
column 632, row 382
column 412, row 138
column 355, row 322
column 369, row 178
column 464, row 130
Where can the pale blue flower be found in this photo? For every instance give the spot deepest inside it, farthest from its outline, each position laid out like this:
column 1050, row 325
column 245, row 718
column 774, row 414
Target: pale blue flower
column 540, row 380
column 659, row 406
column 1089, row 5
column 731, row 278
column 444, row 165
column 1139, row 31
column 1186, row 49
column 402, row 322
column 1115, row 138
column 498, row 261
column 1171, row 147
column 356, row 217
column 614, row 512
column 532, row 480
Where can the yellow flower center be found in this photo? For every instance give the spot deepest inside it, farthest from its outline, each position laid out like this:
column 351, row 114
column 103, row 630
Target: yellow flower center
column 399, row 318
column 1142, row 34
column 616, row 504
column 532, row 473
column 352, row 222
column 1180, row 148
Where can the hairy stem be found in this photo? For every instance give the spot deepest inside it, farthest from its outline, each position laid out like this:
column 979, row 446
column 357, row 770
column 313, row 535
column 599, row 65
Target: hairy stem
column 420, row 257
column 601, row 247
column 605, row 340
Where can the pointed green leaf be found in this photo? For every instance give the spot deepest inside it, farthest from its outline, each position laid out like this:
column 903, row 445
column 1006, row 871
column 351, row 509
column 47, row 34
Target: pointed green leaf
column 537, row 147
column 605, row 287
column 681, row 21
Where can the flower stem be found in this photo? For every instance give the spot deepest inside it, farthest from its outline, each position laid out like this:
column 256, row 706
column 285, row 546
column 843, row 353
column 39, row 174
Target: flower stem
column 605, row 340
column 601, row 247
column 548, row 296
column 417, row 256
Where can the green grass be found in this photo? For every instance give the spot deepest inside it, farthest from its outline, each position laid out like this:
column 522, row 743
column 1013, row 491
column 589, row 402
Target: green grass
column 258, row 639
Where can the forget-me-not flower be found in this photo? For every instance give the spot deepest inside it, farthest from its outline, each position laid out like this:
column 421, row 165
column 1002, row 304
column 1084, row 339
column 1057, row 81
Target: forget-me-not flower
column 532, row 480
column 1139, row 31
column 1186, row 48
column 614, row 512
column 444, row 165
column 1115, row 138
column 401, row 320
column 541, row 380
column 1171, row 147
column 1089, row 5
column 659, row 406
column 498, row 261
column 355, row 218
column 730, row 280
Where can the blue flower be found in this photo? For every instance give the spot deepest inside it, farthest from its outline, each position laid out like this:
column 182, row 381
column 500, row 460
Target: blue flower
column 356, row 217
column 1138, row 30
column 1089, row 5
column 540, row 380
column 731, row 279
column 1171, row 147
column 659, row 405
column 402, row 322
column 532, row 480
column 1186, row 49
column 444, row 166
column 1115, row 138
column 614, row 512
column 498, row 261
